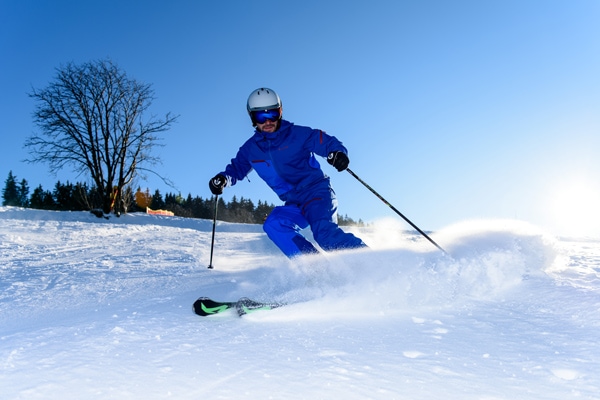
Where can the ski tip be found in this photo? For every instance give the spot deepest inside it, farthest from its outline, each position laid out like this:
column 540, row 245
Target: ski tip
column 205, row 306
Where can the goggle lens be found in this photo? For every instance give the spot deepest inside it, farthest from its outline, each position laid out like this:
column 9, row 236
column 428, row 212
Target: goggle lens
column 260, row 117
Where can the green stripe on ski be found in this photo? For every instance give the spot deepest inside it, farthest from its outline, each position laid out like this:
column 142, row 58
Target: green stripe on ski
column 205, row 306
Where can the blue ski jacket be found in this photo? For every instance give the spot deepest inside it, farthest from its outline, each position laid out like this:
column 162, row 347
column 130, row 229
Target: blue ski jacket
column 284, row 159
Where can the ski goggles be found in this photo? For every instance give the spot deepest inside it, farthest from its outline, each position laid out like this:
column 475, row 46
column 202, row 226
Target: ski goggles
column 260, row 117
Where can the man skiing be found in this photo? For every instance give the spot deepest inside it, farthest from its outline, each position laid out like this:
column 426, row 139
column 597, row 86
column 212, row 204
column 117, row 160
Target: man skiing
column 283, row 155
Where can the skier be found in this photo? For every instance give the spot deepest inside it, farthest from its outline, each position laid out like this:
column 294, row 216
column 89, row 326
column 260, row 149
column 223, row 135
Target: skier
column 283, row 155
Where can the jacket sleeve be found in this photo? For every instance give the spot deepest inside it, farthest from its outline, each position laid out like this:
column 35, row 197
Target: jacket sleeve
column 322, row 144
column 239, row 167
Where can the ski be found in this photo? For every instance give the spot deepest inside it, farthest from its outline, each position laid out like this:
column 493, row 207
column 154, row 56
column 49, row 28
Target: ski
column 247, row 306
column 205, row 306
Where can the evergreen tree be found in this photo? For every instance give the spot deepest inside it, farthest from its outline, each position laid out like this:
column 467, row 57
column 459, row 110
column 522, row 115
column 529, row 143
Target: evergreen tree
column 37, row 198
column 23, row 191
column 221, row 208
column 10, row 193
column 248, row 206
column 245, row 212
column 176, row 203
column 63, row 196
column 201, row 208
column 157, row 201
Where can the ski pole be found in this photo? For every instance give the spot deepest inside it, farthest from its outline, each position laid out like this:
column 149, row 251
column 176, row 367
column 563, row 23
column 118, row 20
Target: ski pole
column 395, row 210
column 212, row 242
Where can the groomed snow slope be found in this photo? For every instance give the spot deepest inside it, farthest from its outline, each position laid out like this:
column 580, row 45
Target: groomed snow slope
column 93, row 308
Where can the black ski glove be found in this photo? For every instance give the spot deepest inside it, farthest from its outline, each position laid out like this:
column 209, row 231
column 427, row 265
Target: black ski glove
column 339, row 160
column 217, row 184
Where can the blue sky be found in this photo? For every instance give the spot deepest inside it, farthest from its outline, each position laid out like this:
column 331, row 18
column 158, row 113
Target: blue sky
column 452, row 110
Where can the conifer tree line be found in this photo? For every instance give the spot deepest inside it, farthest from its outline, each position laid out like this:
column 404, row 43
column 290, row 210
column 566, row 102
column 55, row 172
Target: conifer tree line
column 80, row 197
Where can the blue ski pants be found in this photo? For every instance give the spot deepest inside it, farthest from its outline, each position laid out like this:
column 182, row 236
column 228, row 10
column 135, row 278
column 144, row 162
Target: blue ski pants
column 316, row 208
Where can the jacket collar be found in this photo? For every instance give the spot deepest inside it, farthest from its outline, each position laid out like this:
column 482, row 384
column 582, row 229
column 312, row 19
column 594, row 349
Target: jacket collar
column 283, row 128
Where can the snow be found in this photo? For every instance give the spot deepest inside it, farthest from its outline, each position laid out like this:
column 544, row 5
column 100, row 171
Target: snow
column 94, row 308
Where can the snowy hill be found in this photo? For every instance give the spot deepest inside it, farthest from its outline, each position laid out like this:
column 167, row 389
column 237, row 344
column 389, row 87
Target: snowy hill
column 93, row 308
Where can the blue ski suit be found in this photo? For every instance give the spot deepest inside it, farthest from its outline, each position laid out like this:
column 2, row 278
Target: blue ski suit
column 285, row 160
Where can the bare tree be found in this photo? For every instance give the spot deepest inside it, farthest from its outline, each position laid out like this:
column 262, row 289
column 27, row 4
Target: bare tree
column 91, row 118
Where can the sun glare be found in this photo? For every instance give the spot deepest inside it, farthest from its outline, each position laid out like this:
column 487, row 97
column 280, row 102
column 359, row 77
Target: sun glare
column 574, row 208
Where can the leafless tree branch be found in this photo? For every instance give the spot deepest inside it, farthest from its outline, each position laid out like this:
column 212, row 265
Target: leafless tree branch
column 92, row 119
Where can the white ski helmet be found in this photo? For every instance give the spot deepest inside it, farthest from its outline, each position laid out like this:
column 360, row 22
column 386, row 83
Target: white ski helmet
column 263, row 99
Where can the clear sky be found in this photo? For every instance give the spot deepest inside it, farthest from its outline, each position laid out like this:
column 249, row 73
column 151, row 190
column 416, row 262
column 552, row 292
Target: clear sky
column 451, row 110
